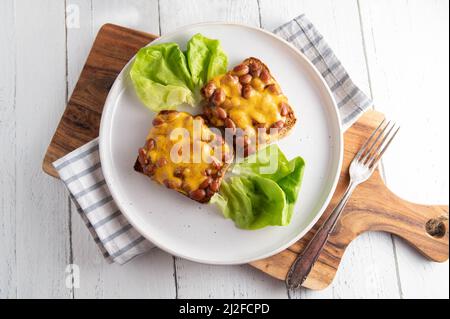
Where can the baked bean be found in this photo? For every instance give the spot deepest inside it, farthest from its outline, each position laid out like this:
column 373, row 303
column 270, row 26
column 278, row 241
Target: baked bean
column 198, row 194
column 278, row 124
column 149, row 169
column 265, row 76
column 255, row 69
column 247, row 91
column 150, row 144
column 143, row 159
column 241, row 69
column 284, row 109
column 161, row 162
column 221, row 113
column 215, row 185
column 245, row 79
column 230, row 124
column 205, row 183
column 172, row 183
column 229, row 79
column 178, row 172
column 274, row 89
column 219, row 97
column 157, row 121
column 209, row 89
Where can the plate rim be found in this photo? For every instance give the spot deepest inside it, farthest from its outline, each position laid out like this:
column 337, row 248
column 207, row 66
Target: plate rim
column 103, row 150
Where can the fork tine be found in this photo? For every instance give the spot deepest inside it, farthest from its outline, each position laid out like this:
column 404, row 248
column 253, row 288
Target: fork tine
column 369, row 151
column 377, row 158
column 364, row 147
column 372, row 156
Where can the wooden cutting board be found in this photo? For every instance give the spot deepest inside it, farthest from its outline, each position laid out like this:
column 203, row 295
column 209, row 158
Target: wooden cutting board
column 373, row 207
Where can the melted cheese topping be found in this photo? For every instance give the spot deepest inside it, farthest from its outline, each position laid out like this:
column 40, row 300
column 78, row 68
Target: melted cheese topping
column 263, row 106
column 188, row 151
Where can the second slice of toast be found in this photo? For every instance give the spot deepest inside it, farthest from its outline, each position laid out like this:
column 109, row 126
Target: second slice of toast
column 249, row 101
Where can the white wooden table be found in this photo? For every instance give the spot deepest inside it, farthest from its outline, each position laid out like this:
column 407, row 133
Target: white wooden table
column 397, row 51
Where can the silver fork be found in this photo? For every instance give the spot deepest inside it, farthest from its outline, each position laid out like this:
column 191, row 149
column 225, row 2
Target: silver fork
column 361, row 168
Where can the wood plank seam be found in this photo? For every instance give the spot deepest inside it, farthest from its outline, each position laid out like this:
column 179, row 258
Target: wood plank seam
column 69, row 207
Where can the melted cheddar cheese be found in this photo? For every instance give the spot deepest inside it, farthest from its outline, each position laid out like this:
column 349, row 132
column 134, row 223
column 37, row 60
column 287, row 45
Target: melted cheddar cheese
column 183, row 151
column 259, row 109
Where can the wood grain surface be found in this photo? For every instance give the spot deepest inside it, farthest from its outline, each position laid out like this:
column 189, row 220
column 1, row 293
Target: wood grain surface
column 112, row 49
column 372, row 207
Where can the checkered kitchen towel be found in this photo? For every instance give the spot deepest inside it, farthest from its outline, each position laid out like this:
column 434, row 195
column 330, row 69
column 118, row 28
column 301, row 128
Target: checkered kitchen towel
column 82, row 174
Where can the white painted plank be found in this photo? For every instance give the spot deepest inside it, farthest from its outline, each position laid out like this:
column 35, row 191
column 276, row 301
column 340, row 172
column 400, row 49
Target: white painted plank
column 42, row 241
column 177, row 13
column 408, row 49
column 204, row 281
column 7, row 145
column 361, row 273
column 136, row 14
column 80, row 36
column 149, row 276
column 207, row 281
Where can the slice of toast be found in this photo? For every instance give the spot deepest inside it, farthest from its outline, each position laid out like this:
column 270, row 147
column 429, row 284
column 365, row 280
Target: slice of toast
column 248, row 101
column 183, row 154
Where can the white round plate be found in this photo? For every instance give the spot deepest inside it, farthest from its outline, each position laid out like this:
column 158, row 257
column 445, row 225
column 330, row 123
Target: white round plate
column 199, row 232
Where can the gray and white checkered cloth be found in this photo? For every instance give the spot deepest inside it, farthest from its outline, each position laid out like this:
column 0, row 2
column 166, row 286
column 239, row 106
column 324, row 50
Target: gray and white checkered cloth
column 81, row 170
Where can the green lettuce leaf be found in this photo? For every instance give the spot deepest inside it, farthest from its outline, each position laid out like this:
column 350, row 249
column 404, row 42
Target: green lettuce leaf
column 164, row 77
column 206, row 59
column 161, row 77
column 264, row 190
column 250, row 201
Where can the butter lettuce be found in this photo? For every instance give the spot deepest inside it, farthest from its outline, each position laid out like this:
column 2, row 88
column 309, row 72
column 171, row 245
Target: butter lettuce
column 206, row 59
column 260, row 195
column 164, row 77
column 161, row 77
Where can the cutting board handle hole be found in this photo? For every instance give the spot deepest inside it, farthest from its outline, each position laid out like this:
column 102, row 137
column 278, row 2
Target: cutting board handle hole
column 436, row 228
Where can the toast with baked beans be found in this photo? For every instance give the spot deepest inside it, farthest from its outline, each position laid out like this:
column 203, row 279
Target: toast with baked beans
column 250, row 99
column 182, row 153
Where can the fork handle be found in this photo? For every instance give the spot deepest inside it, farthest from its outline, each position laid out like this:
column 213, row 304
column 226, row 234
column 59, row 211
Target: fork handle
column 307, row 258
